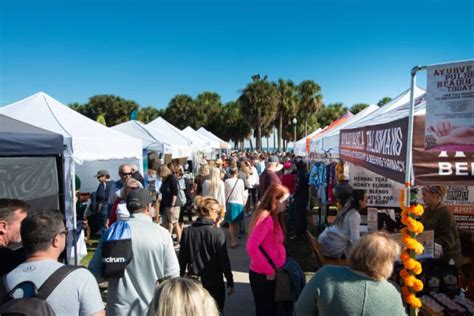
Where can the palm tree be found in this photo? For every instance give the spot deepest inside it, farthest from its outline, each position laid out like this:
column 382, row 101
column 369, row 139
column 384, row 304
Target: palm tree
column 258, row 102
column 180, row 112
column 287, row 96
column 311, row 99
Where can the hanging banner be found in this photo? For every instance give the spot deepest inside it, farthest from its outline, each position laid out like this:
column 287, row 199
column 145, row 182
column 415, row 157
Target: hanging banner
column 380, row 191
column 439, row 168
column 460, row 201
column 450, row 107
column 379, row 148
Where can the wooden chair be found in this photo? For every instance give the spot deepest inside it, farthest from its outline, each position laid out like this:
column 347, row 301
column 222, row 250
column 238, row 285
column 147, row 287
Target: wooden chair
column 318, row 253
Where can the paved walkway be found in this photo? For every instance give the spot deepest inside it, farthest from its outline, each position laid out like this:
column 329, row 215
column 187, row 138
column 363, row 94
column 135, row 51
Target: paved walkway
column 241, row 302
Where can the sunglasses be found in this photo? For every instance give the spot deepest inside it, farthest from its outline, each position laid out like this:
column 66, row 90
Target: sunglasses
column 132, row 188
column 126, row 174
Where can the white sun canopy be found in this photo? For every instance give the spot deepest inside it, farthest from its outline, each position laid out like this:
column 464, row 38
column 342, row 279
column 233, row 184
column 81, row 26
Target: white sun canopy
column 300, row 145
column 200, row 138
column 180, row 145
column 331, row 139
column 206, row 133
column 139, row 130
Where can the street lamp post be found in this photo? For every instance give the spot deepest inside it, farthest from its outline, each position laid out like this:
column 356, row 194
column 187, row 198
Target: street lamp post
column 294, row 132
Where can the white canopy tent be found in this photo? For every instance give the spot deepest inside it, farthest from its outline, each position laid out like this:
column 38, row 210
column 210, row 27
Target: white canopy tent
column 88, row 144
column 181, row 146
column 206, row 133
column 386, row 113
column 300, row 145
column 207, row 144
column 139, row 130
column 330, row 141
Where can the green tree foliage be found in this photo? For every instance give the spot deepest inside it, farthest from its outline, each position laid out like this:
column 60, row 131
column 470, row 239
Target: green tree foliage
column 232, row 125
column 310, row 100
column 115, row 109
column 330, row 112
column 181, row 112
column 287, row 96
column 356, row 108
column 149, row 113
column 258, row 102
column 384, row 101
column 208, row 110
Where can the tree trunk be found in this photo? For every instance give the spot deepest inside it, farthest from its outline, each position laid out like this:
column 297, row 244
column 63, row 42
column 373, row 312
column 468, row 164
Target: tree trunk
column 251, row 144
column 284, row 145
column 280, row 130
column 258, row 140
column 305, row 124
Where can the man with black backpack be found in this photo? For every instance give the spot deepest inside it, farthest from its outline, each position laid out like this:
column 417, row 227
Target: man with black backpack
column 43, row 286
column 152, row 258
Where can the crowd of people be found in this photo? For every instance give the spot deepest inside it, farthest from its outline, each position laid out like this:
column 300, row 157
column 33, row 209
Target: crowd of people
column 177, row 269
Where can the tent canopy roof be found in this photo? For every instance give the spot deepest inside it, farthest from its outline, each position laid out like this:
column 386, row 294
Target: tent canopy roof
column 200, row 138
column 139, row 130
column 90, row 140
column 21, row 139
column 205, row 132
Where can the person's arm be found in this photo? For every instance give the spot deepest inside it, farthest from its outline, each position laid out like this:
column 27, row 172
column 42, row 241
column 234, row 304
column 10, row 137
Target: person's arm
column 183, row 256
column 443, row 234
column 307, row 303
column 95, row 265
column 170, row 265
column 354, row 226
column 90, row 300
column 255, row 240
column 174, row 187
column 224, row 261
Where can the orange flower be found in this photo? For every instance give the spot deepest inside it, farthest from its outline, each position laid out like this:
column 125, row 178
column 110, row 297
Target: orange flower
column 417, row 285
column 410, row 264
column 413, row 301
column 417, row 268
column 405, row 291
column 404, row 273
column 417, row 210
column 404, row 256
column 409, row 281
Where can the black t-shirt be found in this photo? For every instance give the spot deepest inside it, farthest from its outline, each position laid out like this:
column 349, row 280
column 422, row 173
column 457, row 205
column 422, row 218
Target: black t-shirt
column 11, row 258
column 169, row 187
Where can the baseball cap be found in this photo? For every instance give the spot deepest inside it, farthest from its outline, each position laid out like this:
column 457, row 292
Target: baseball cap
column 138, row 199
column 287, row 165
column 101, row 173
column 273, row 159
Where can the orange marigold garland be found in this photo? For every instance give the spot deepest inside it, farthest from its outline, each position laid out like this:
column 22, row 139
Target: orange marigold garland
column 412, row 267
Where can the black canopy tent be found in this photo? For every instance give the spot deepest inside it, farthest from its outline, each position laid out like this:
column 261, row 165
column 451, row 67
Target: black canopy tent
column 31, row 164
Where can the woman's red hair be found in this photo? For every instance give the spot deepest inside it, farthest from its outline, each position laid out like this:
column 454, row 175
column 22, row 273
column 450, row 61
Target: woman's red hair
column 267, row 207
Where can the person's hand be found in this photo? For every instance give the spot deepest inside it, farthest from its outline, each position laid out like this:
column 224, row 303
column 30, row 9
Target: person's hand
column 438, row 250
column 443, row 128
column 271, row 277
column 458, row 136
column 230, row 290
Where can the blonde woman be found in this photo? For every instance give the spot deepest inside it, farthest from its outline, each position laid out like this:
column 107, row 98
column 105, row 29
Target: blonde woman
column 214, row 186
column 203, row 175
column 203, row 251
column 359, row 289
column 183, row 297
column 235, row 194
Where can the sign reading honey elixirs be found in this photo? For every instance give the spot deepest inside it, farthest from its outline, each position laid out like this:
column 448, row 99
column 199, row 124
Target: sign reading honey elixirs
column 379, row 148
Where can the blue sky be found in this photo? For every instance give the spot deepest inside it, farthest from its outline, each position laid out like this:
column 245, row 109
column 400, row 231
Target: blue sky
column 358, row 51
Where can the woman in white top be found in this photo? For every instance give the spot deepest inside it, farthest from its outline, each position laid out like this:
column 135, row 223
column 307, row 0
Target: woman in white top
column 337, row 240
column 214, row 186
column 234, row 193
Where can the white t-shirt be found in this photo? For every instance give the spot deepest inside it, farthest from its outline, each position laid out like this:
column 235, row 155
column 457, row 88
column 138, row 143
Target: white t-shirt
column 77, row 294
column 234, row 195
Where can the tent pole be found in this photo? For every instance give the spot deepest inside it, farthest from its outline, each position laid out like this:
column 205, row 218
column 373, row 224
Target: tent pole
column 409, row 157
column 74, row 212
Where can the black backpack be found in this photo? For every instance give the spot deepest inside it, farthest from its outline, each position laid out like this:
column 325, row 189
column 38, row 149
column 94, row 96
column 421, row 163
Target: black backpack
column 36, row 304
column 116, row 250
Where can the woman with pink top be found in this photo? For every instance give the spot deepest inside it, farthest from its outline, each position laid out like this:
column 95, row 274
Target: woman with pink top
column 267, row 231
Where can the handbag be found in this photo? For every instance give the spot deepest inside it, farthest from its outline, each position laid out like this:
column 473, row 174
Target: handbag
column 283, row 287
